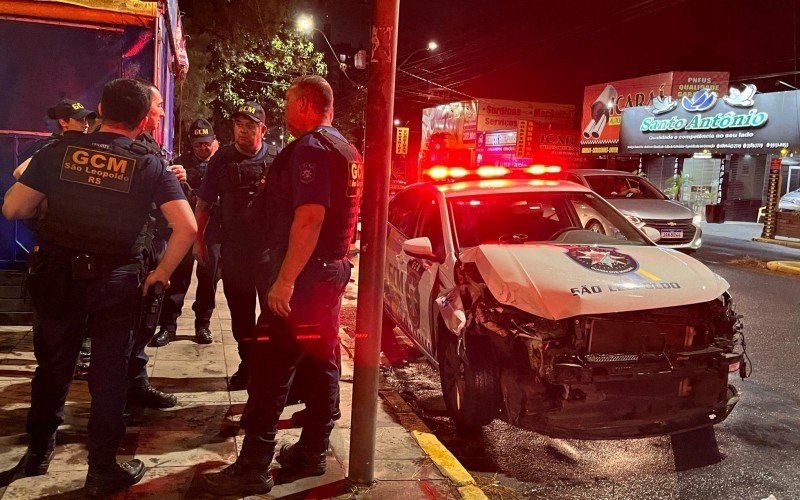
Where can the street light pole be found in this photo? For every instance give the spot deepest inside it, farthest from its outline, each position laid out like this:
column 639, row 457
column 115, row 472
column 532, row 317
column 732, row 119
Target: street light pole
column 378, row 139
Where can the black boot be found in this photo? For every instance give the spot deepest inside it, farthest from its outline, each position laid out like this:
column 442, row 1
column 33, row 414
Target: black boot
column 85, row 356
column 202, row 335
column 34, row 462
column 102, row 481
column 40, row 452
column 238, row 381
column 249, row 475
column 296, row 462
column 150, row 397
column 162, row 338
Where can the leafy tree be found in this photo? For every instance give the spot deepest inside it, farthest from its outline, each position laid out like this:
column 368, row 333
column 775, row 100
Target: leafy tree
column 241, row 50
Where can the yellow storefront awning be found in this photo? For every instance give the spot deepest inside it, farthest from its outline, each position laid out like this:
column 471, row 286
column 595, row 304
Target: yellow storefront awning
column 117, row 12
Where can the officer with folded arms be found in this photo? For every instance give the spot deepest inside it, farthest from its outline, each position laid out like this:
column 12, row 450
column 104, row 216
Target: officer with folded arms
column 235, row 177
column 100, row 188
column 195, row 162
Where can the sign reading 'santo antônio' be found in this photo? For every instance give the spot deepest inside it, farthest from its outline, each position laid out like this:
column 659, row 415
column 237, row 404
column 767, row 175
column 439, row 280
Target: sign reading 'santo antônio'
column 743, row 121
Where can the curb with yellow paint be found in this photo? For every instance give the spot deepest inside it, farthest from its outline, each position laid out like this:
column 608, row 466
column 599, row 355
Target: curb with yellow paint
column 445, row 461
column 784, row 266
column 783, row 243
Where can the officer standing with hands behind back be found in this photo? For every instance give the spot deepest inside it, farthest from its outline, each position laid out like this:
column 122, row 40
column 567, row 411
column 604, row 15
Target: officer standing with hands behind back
column 312, row 197
column 99, row 191
column 195, row 161
column 235, row 177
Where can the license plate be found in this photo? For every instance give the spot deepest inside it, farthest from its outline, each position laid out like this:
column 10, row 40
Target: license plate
column 672, row 233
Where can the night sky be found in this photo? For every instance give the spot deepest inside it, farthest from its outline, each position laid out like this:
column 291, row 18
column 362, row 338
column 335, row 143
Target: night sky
column 548, row 51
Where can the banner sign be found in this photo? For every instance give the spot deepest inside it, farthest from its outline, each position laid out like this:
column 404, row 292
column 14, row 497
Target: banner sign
column 603, row 103
column 401, row 141
column 743, row 121
column 457, row 121
column 501, row 114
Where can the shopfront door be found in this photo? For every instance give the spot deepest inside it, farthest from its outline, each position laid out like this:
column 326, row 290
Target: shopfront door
column 793, row 180
column 700, row 182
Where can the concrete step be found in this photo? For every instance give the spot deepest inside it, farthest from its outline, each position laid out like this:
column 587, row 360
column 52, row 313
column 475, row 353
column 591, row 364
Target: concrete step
column 12, row 278
column 12, row 292
column 16, row 318
column 16, row 305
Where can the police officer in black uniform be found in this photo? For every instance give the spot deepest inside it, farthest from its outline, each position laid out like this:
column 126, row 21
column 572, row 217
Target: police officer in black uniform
column 201, row 136
column 141, row 393
column 99, row 188
column 235, row 177
column 312, row 197
column 72, row 118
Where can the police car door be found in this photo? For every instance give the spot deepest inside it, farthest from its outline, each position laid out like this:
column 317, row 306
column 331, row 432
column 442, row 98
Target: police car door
column 403, row 218
column 422, row 275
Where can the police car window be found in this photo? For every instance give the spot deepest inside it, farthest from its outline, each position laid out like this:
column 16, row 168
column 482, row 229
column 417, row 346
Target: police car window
column 543, row 217
column 431, row 227
column 404, row 212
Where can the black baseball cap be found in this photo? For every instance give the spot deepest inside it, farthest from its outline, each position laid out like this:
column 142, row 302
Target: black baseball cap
column 201, row 131
column 68, row 108
column 252, row 110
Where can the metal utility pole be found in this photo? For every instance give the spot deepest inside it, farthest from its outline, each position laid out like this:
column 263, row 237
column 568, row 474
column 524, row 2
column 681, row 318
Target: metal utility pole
column 377, row 164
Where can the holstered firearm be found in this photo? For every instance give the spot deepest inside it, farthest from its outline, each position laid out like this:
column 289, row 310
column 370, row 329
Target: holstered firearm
column 151, row 307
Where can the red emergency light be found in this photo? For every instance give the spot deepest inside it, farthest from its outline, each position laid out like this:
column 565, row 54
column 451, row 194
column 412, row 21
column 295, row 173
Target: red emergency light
column 441, row 173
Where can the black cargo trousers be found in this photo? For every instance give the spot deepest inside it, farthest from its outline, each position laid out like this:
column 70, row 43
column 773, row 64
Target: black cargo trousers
column 245, row 281
column 208, row 277
column 309, row 338
column 106, row 306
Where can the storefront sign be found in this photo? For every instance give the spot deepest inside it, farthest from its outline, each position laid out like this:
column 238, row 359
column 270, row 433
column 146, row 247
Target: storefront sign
column 741, row 122
column 603, row 103
column 500, row 114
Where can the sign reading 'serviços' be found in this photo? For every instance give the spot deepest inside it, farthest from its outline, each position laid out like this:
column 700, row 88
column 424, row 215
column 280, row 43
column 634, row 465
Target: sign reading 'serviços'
column 742, row 121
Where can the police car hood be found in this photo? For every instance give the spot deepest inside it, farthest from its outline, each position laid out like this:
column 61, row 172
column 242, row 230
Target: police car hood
column 561, row 281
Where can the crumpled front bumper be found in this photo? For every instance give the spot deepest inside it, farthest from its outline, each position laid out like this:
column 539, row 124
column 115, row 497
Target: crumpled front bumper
column 618, row 400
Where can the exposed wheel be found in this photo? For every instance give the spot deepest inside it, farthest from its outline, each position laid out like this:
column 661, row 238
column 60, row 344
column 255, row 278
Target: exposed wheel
column 470, row 381
column 595, row 227
column 697, row 448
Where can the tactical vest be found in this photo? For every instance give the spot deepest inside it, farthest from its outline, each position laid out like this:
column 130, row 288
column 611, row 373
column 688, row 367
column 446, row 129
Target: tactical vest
column 242, row 183
column 93, row 219
column 347, row 181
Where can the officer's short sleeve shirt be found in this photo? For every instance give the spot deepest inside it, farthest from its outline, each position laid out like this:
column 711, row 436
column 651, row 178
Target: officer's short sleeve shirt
column 310, row 167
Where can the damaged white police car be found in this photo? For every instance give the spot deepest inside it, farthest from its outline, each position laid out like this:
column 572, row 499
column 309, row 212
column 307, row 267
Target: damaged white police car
column 533, row 318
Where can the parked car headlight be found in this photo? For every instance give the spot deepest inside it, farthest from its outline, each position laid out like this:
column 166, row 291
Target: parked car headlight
column 636, row 221
column 696, row 219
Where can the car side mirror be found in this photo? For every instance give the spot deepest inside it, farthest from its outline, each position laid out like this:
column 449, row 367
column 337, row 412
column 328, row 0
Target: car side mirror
column 420, row 248
column 652, row 233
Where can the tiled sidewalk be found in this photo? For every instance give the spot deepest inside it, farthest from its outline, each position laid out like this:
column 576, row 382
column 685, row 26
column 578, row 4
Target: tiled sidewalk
column 201, row 432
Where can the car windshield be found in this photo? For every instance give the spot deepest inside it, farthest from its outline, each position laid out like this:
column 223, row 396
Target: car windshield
column 566, row 218
column 623, row 186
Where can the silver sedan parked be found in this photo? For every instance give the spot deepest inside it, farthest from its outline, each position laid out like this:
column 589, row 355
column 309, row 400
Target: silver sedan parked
column 637, row 198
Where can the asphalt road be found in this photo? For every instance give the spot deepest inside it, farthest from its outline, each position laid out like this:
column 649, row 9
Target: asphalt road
column 759, row 442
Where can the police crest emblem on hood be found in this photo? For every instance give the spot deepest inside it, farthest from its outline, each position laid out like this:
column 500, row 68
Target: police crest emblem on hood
column 602, row 259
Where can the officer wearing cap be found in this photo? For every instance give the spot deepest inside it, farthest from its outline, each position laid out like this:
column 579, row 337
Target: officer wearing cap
column 201, row 136
column 100, row 188
column 235, row 177
column 312, row 196
column 71, row 116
